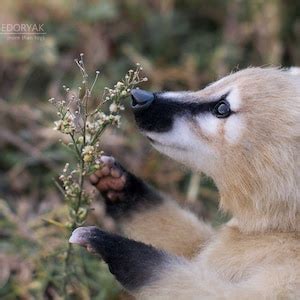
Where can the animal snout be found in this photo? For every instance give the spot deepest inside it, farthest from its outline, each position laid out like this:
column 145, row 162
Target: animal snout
column 141, row 100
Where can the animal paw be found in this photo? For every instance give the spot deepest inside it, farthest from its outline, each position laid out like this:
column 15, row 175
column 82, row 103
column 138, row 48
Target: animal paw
column 83, row 237
column 110, row 180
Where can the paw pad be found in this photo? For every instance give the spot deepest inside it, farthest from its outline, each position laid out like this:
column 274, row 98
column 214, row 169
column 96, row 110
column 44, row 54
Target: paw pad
column 110, row 180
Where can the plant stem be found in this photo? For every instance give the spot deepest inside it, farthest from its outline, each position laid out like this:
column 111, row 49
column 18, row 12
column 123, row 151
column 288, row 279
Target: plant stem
column 78, row 204
column 75, row 146
column 81, row 180
column 73, row 226
column 66, row 270
column 98, row 134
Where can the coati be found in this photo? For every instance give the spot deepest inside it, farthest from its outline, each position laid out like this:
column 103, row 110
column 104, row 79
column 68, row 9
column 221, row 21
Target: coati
column 244, row 132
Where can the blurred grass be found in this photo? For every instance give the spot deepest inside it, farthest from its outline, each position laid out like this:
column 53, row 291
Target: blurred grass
column 181, row 44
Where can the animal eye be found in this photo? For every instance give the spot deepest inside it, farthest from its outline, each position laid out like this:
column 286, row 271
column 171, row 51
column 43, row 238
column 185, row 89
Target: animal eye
column 222, row 109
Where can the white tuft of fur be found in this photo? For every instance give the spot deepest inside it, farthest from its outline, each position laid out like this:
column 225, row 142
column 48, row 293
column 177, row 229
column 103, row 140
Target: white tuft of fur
column 233, row 129
column 209, row 124
column 234, row 99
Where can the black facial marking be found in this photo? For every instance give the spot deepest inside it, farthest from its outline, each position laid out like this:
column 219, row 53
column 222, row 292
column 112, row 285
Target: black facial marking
column 136, row 196
column 134, row 264
column 159, row 116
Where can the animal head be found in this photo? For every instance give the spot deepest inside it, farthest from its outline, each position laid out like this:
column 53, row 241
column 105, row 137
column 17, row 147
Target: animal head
column 244, row 132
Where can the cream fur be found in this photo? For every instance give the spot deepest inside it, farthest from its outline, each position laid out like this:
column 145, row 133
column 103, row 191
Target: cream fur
column 209, row 124
column 233, row 129
column 254, row 158
column 234, row 99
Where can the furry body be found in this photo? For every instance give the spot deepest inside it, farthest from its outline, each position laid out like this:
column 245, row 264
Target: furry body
column 250, row 146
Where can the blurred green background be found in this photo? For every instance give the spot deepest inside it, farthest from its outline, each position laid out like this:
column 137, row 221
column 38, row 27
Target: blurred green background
column 181, row 45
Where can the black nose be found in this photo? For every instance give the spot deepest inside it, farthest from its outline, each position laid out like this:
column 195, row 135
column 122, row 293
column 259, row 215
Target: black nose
column 141, row 99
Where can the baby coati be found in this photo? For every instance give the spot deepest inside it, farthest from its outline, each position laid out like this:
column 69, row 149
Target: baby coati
column 244, row 132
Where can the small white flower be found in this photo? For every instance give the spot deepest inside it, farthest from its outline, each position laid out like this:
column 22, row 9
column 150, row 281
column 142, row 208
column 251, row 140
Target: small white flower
column 58, row 125
column 88, row 150
column 102, row 118
column 88, row 153
column 119, row 84
column 66, row 125
column 113, row 108
column 80, row 140
column 66, row 167
column 115, row 119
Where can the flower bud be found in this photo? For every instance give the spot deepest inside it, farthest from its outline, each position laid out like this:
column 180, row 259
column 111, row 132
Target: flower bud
column 82, row 92
column 113, row 108
column 80, row 140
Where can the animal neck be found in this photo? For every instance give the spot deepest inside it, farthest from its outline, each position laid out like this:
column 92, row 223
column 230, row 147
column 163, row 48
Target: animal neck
column 262, row 204
column 252, row 218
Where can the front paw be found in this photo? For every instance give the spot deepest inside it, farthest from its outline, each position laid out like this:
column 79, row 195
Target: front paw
column 133, row 263
column 84, row 237
column 111, row 179
column 123, row 192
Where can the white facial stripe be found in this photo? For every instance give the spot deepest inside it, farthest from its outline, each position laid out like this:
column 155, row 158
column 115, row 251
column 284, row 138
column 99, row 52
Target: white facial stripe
column 233, row 128
column 180, row 135
column 234, row 99
column 209, row 124
column 183, row 145
column 174, row 95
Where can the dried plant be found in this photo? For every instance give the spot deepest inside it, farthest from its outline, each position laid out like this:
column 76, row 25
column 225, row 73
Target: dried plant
column 84, row 128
